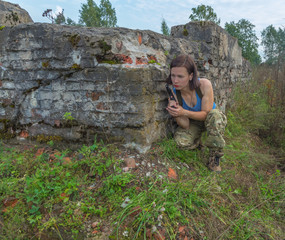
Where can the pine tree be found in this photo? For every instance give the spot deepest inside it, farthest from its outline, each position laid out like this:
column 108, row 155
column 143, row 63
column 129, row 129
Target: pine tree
column 164, row 28
column 93, row 16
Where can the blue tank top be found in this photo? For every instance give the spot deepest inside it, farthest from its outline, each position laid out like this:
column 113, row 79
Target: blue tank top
column 197, row 107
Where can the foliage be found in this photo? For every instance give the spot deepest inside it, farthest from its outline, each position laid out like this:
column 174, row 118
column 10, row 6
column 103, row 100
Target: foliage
column 70, row 22
column 251, row 108
column 90, row 15
column 257, row 107
column 58, row 18
column 46, row 187
column 93, row 16
column 107, row 14
column 67, row 116
column 273, row 85
column 244, row 31
column 204, row 13
column 55, row 18
column 164, row 28
column 273, row 41
column 272, row 72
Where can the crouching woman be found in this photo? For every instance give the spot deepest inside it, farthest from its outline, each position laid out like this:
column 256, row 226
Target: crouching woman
column 195, row 110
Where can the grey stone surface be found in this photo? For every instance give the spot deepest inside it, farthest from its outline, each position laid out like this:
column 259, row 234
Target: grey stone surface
column 110, row 80
column 12, row 14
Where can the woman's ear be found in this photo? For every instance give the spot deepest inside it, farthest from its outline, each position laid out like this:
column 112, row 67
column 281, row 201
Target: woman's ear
column 191, row 76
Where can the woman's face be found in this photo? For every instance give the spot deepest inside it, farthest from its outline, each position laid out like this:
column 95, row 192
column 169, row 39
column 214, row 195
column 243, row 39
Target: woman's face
column 180, row 78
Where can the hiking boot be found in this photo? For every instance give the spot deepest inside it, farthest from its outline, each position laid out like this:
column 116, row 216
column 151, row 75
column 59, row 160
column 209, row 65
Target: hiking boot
column 214, row 161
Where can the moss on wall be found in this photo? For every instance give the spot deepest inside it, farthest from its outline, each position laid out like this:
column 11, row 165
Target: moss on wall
column 74, row 40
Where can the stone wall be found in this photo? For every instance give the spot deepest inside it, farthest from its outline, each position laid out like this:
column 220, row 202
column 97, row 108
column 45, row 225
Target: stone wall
column 111, row 80
column 12, row 14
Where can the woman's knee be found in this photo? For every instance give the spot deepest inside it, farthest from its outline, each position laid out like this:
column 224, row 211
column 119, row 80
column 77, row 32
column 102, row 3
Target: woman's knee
column 186, row 139
column 216, row 119
column 215, row 124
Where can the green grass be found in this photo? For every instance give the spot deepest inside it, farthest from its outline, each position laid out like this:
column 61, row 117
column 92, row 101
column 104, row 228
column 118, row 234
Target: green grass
column 60, row 199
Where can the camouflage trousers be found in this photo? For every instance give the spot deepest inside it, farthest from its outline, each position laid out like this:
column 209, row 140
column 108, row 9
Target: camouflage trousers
column 214, row 124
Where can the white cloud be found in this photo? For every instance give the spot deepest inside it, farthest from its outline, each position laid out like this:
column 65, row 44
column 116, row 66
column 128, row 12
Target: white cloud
column 58, row 9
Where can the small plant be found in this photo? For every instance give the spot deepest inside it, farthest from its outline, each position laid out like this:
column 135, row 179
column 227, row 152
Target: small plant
column 47, row 187
column 104, row 46
column 75, row 66
column 92, row 159
column 67, row 116
column 151, row 61
column 45, row 64
column 90, row 208
column 51, row 143
column 74, row 39
column 114, row 184
column 47, row 139
column 185, row 32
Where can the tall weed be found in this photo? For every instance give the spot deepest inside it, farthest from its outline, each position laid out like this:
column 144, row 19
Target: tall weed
column 253, row 110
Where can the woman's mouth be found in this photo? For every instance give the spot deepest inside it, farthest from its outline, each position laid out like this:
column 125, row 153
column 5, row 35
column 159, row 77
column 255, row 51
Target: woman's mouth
column 176, row 86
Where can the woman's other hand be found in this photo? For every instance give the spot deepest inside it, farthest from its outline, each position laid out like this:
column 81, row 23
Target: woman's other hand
column 174, row 109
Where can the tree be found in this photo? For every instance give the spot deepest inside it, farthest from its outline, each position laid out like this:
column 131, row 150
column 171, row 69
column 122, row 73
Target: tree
column 55, row 18
column 69, row 21
column 164, row 28
column 244, row 31
column 93, row 16
column 274, row 44
column 274, row 50
column 107, row 14
column 60, row 19
column 204, row 13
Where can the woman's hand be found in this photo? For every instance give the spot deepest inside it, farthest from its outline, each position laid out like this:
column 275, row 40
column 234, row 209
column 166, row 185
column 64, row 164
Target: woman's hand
column 174, row 109
column 171, row 103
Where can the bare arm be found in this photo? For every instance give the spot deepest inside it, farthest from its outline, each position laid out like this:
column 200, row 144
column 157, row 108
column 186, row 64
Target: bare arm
column 181, row 114
column 182, row 121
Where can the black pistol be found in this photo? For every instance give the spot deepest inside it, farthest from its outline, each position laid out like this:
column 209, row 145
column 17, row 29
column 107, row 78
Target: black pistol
column 170, row 94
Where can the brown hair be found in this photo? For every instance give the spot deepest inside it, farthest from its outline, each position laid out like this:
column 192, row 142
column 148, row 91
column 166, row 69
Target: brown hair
column 187, row 62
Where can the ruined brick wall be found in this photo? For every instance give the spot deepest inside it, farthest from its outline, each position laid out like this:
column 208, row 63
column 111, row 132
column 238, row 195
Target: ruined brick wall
column 111, row 81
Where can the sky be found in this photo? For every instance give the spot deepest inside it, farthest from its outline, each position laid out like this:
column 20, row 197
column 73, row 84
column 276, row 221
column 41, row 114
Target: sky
column 148, row 14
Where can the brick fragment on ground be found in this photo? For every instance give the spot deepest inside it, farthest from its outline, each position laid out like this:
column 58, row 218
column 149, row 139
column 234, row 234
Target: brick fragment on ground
column 94, row 224
column 172, row 173
column 130, row 162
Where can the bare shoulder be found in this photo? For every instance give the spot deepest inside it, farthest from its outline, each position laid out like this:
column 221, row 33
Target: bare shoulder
column 205, row 84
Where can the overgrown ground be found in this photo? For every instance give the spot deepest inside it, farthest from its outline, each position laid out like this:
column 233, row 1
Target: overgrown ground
column 47, row 192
